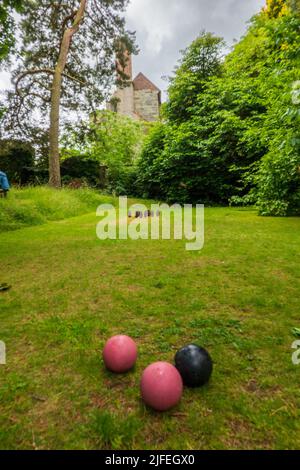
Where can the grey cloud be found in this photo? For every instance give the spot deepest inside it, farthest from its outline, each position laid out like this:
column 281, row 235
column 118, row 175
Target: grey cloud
column 164, row 27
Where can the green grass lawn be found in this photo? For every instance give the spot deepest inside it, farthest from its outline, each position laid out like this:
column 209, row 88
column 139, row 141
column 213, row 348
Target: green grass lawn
column 238, row 297
column 38, row 205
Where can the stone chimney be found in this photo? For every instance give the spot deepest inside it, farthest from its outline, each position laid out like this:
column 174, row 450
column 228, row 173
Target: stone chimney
column 128, row 67
column 125, row 66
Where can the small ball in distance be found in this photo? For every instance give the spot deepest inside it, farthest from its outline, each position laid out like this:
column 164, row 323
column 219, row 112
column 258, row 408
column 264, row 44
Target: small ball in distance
column 120, row 353
column 161, row 386
column 194, row 364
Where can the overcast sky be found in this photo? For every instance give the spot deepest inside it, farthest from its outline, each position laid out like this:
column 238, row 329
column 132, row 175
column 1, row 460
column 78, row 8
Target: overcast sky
column 164, row 27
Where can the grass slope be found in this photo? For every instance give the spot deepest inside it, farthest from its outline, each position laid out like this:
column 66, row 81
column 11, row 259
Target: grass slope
column 239, row 297
column 38, row 205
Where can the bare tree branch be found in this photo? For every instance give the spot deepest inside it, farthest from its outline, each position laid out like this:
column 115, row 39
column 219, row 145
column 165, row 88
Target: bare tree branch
column 48, row 71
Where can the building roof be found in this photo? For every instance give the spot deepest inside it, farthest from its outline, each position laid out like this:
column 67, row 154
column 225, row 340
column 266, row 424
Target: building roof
column 143, row 83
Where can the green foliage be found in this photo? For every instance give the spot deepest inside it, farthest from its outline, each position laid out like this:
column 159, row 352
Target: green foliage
column 81, row 168
column 200, row 61
column 237, row 137
column 85, row 80
column 278, row 189
column 277, row 183
column 196, row 156
column 112, row 140
column 276, row 8
column 271, row 71
column 149, row 177
column 17, row 160
column 7, row 25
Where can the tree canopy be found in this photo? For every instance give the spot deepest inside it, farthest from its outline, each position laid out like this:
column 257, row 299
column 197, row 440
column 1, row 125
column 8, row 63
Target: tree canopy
column 7, row 25
column 66, row 61
column 237, row 137
column 199, row 62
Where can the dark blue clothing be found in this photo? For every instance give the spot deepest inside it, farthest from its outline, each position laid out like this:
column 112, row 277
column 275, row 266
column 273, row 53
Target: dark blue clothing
column 4, row 184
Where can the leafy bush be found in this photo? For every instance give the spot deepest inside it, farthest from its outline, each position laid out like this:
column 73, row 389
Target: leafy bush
column 78, row 167
column 112, row 140
column 116, row 141
column 278, row 179
column 278, row 191
column 17, row 160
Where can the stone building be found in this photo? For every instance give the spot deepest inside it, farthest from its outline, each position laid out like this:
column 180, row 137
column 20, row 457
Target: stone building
column 140, row 100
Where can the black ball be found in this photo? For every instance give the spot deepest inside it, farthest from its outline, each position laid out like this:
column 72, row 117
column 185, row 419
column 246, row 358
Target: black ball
column 194, row 365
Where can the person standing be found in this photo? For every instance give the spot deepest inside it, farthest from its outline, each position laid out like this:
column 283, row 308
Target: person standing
column 4, row 184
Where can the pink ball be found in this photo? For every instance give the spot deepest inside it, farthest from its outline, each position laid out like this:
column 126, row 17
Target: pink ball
column 161, row 386
column 120, row 353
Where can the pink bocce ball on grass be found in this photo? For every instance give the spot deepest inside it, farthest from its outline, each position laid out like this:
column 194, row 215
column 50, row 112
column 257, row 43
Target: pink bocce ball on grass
column 161, row 386
column 120, row 354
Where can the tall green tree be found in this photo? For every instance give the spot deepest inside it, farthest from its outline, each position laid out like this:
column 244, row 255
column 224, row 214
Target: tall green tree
column 200, row 61
column 277, row 183
column 238, row 137
column 67, row 60
column 187, row 164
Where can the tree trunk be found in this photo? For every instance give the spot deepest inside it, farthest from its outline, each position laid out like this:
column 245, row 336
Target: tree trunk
column 54, row 158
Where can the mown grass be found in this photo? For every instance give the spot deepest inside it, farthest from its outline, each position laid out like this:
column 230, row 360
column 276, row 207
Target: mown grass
column 238, row 297
column 39, row 205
